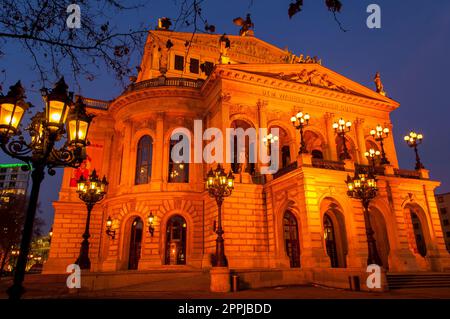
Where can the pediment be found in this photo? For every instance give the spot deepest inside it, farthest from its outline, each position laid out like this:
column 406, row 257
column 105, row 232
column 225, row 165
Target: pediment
column 312, row 74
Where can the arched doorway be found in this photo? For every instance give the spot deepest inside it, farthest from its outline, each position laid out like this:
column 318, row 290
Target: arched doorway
column 314, row 144
column 381, row 236
column 176, row 233
column 334, row 232
column 135, row 243
column 330, row 240
column 340, row 148
column 240, row 161
column 418, row 234
column 291, row 239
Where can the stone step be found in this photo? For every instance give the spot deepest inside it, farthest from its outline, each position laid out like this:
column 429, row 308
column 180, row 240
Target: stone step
column 418, row 280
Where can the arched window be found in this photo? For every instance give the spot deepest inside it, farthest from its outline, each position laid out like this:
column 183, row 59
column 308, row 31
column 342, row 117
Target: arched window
column 144, row 160
column 291, row 239
column 285, row 156
column 178, row 171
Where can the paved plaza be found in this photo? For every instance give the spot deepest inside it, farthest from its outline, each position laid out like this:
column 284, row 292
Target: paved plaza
column 36, row 290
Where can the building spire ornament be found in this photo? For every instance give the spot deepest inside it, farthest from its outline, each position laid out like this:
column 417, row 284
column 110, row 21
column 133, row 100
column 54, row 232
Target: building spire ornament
column 379, row 84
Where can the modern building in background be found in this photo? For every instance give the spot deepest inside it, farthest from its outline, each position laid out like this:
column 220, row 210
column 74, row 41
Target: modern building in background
column 295, row 226
column 13, row 180
column 443, row 204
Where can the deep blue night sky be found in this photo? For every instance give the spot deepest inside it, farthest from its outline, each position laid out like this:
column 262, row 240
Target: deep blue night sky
column 411, row 50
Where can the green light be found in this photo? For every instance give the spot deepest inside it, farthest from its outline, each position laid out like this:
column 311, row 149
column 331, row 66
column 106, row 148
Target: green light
column 12, row 165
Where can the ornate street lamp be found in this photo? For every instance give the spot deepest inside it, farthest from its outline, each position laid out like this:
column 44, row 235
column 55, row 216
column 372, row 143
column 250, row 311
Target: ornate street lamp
column 300, row 121
column 90, row 191
column 364, row 187
column 13, row 107
column 341, row 128
column 380, row 134
column 40, row 153
column 219, row 186
column 414, row 140
column 372, row 156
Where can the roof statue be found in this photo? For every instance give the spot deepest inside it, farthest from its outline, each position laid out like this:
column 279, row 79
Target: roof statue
column 379, row 85
column 245, row 25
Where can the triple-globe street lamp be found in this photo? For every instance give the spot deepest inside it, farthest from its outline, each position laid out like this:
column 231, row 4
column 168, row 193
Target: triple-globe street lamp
column 300, row 121
column 380, row 134
column 44, row 150
column 372, row 155
column 219, row 185
column 341, row 128
column 414, row 140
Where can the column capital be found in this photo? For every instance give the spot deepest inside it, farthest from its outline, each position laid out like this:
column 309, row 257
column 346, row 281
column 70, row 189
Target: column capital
column 328, row 116
column 160, row 115
column 262, row 104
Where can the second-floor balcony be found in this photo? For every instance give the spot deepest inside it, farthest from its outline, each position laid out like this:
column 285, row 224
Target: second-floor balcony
column 163, row 81
column 341, row 166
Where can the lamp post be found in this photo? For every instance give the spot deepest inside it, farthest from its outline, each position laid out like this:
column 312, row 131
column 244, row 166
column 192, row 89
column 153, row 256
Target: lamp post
column 46, row 130
column 414, row 140
column 219, row 186
column 90, row 191
column 372, row 156
column 364, row 187
column 341, row 128
column 380, row 134
column 300, row 121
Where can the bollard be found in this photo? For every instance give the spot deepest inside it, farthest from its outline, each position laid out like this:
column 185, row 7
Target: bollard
column 235, row 283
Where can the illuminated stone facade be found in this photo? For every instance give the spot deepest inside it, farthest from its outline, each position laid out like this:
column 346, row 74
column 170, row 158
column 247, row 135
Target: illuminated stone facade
column 274, row 222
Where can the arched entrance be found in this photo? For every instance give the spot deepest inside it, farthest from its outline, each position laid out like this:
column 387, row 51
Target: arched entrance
column 418, row 234
column 176, row 233
column 240, row 161
column 135, row 243
column 381, row 235
column 291, row 239
column 330, row 240
column 334, row 233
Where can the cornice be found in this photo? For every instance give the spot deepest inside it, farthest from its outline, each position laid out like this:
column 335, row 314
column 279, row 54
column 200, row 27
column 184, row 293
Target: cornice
column 151, row 93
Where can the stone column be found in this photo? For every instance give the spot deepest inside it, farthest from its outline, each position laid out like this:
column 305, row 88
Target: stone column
column 262, row 122
column 126, row 160
column 158, row 153
column 225, row 119
column 331, row 138
column 361, row 142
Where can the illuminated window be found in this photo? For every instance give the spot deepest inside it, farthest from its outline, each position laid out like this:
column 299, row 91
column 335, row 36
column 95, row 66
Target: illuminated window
column 144, row 160
column 178, row 172
column 179, row 62
column 194, row 66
